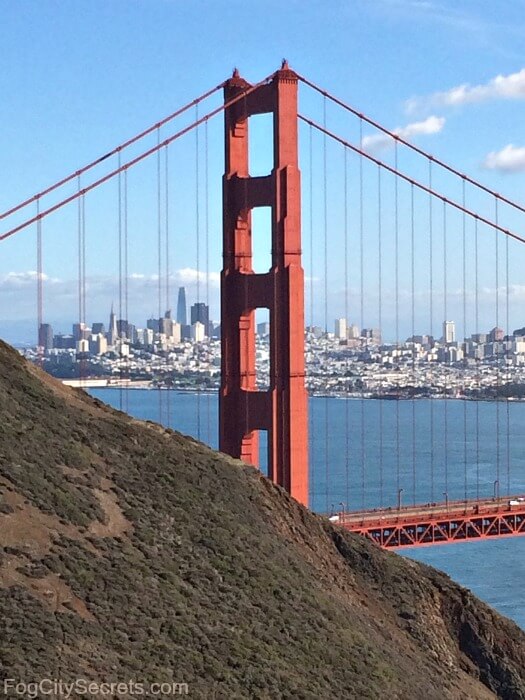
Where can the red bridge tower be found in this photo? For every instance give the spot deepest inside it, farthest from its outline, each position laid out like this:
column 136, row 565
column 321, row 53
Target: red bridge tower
column 283, row 409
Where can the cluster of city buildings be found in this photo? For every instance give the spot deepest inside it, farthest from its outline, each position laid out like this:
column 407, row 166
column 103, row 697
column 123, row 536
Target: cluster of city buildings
column 352, row 361
column 448, row 350
column 184, row 352
column 160, row 334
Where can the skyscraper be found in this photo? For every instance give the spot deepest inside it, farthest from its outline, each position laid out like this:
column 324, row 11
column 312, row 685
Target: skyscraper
column 112, row 332
column 181, row 307
column 201, row 312
column 45, row 336
column 341, row 328
column 449, row 332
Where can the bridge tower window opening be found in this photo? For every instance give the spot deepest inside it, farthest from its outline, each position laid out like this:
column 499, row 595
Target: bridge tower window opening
column 261, row 236
column 260, row 146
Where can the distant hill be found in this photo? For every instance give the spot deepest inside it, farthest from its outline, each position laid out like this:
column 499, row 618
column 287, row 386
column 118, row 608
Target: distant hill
column 131, row 552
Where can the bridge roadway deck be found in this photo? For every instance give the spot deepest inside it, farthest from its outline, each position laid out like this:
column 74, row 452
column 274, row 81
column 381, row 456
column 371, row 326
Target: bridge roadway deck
column 438, row 523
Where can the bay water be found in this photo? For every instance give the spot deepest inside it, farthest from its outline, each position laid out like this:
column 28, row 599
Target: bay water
column 367, row 453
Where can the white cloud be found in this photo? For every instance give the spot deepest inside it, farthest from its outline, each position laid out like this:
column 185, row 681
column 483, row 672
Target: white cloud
column 188, row 275
column 137, row 280
column 378, row 142
column 510, row 159
column 18, row 291
column 502, row 87
column 15, row 280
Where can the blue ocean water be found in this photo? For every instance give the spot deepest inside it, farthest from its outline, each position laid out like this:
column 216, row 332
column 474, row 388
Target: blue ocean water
column 365, row 453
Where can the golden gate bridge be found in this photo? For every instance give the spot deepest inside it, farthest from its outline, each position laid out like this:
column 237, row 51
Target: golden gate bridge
column 398, row 227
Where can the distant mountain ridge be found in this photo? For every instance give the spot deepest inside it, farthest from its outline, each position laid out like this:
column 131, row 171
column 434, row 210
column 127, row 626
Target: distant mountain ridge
column 130, row 551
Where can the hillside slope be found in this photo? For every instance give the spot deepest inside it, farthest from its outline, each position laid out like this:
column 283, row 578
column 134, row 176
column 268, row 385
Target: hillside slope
column 129, row 551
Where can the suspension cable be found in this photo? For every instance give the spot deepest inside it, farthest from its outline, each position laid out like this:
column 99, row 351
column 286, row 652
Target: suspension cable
column 447, row 356
column 159, row 264
column 347, row 363
column 325, row 275
column 81, row 285
column 380, row 321
column 167, row 270
column 120, row 289
column 313, row 484
column 464, row 261
column 396, row 295
column 362, row 312
column 478, row 359
column 431, row 310
column 496, row 343
column 207, row 265
column 416, row 183
column 134, row 161
column 413, row 314
column 126, row 285
column 507, row 360
column 79, row 263
column 196, row 346
column 117, row 149
column 411, row 146
column 39, row 283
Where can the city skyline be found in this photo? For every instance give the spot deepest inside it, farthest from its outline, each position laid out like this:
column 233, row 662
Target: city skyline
column 436, row 106
column 141, row 307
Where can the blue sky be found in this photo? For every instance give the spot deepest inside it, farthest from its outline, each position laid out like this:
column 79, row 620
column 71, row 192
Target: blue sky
column 79, row 77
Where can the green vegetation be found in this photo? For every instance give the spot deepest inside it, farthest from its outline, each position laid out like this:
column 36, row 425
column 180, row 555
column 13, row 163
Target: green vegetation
column 203, row 572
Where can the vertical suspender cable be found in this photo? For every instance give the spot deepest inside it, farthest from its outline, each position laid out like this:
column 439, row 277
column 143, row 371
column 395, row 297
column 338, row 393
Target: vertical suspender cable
column 362, row 309
column 167, row 270
column 83, row 364
column 464, row 260
column 84, row 295
column 313, row 471
column 39, row 284
column 197, row 232
column 431, row 330
column 447, row 356
column 413, row 310
column 496, row 345
column 207, row 254
column 347, row 416
column 159, row 264
column 476, row 265
column 380, row 329
column 326, row 353
column 396, row 364
column 79, row 281
column 126, row 282
column 507, row 360
column 120, row 290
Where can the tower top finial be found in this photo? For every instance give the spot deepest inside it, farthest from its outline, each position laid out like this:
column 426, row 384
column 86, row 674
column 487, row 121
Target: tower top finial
column 284, row 64
column 236, row 73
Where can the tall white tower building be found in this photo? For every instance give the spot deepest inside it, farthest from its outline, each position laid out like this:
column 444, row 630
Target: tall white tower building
column 341, row 328
column 449, row 332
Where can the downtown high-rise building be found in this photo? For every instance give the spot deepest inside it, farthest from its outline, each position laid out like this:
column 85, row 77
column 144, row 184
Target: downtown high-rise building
column 45, row 336
column 182, row 316
column 200, row 312
column 341, row 328
column 449, row 332
column 112, row 331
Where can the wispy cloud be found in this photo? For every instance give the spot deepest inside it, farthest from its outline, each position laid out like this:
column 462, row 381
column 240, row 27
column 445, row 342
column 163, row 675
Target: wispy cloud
column 16, row 280
column 510, row 159
column 18, row 295
column 502, row 87
column 435, row 12
column 378, row 142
